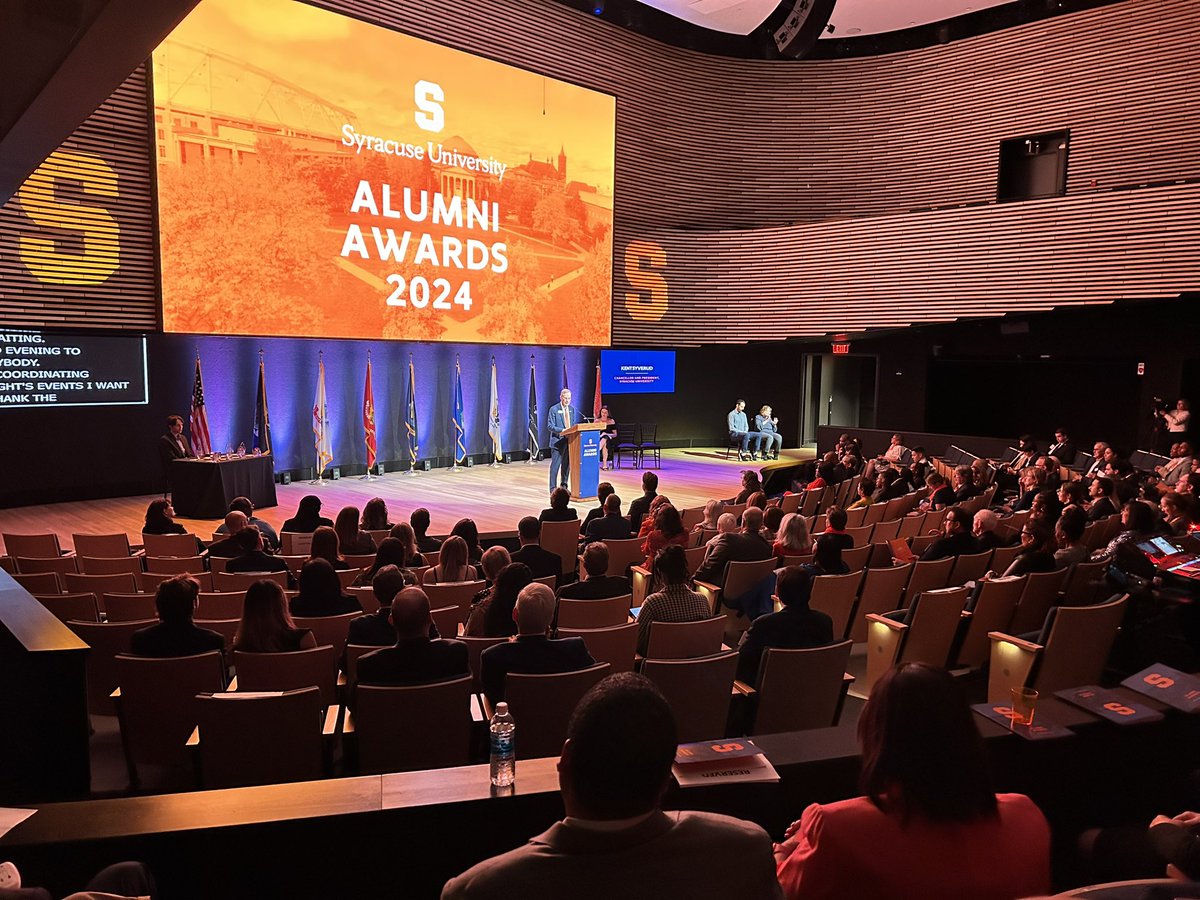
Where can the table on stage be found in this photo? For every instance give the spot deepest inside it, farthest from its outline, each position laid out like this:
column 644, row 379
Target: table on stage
column 202, row 488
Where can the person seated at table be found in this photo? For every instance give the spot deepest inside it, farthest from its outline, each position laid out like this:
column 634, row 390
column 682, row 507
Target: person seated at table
column 672, row 600
column 325, row 546
column 493, row 616
column 403, row 532
column 176, row 634
column 375, row 516
column 351, row 538
column 419, row 519
column 321, row 592
column 253, row 558
column 793, row 538
column 308, row 517
column 452, row 564
column 469, row 532
column 160, row 519
column 794, row 627
column 929, row 824
column 244, row 505
column 266, row 625
column 668, row 531
column 559, row 509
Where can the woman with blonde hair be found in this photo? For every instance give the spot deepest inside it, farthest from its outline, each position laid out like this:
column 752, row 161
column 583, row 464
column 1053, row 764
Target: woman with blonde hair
column 404, row 533
column 452, row 564
column 266, row 625
column 793, row 539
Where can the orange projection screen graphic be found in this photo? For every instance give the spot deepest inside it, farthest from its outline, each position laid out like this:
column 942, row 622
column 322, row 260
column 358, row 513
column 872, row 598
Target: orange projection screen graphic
column 319, row 176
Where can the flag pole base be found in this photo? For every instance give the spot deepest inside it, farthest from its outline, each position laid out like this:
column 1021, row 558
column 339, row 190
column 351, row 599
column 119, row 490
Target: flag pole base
column 411, row 472
column 494, row 465
column 455, row 468
column 368, row 477
column 319, row 482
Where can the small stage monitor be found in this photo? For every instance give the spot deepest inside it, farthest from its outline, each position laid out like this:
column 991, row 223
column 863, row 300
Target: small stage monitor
column 637, row 371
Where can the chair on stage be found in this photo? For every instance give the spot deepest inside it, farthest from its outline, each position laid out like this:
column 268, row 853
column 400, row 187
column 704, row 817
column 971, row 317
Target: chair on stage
column 648, row 443
column 627, row 442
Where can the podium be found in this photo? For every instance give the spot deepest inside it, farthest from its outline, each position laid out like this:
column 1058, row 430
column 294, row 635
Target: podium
column 583, row 447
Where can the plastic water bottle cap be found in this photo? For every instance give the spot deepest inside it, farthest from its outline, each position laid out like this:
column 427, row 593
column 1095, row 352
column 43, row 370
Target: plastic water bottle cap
column 501, row 708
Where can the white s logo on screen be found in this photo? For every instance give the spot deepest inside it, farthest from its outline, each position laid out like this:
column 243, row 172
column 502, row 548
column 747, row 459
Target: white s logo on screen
column 429, row 97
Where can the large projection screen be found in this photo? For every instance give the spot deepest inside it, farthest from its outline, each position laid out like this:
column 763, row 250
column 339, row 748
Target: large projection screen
column 323, row 177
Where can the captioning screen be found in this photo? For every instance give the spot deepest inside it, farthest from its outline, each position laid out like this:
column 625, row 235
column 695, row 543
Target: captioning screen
column 44, row 368
column 320, row 176
column 637, row 371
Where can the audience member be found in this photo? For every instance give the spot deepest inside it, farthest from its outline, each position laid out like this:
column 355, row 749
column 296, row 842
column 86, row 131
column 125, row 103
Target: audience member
column 532, row 651
column 750, row 485
column 321, row 592
column 672, row 600
column 667, row 532
column 160, row 519
column 308, row 516
column 1036, row 553
column 266, row 625
column 984, row 526
column 542, row 562
column 612, row 526
column 639, row 507
column 794, row 627
column 746, row 545
column 772, row 519
column 420, row 524
column 1068, row 534
column 466, row 529
column 373, row 629
column 1124, row 557
column 1045, row 509
column 1177, row 512
column 325, row 546
column 414, row 658
column 375, row 516
column 175, row 634
column 827, row 557
column 244, row 506
column 1176, row 467
column 964, row 484
column 351, row 538
column 1071, row 493
column 597, row 584
column 391, row 552
column 793, row 538
column 227, row 548
column 560, row 509
column 1096, row 466
column 941, row 494
column 616, row 841
column 1063, row 448
column 835, row 526
column 656, row 504
column 252, row 557
column 403, row 532
column 956, row 537
column 452, row 563
column 929, row 825
column 864, row 498
column 1050, row 466
column 919, row 469
column 493, row 616
column 1104, row 502
column 603, row 491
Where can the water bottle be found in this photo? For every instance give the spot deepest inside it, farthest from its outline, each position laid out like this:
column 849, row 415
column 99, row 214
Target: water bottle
column 504, row 749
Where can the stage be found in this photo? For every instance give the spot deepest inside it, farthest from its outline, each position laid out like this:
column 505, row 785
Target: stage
column 494, row 498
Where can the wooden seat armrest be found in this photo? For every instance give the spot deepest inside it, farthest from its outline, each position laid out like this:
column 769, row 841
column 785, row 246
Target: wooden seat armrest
column 640, row 570
column 233, row 685
column 1028, row 646
column 488, row 711
column 477, row 707
column 967, row 614
column 707, row 586
column 194, row 738
column 847, row 679
column 744, row 689
column 885, row 621
column 341, row 680
column 332, row 717
column 138, row 553
column 348, row 722
column 115, row 696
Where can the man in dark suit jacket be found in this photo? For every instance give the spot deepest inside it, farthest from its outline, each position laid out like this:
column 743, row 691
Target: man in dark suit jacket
column 531, row 652
column 375, row 629
column 612, row 526
column 641, row 505
column 252, row 558
column 227, row 548
column 1063, row 448
column 414, row 658
column 956, row 537
column 598, row 585
column 603, row 490
column 175, row 634
column 795, row 627
column 747, row 545
column 541, row 562
column 173, row 445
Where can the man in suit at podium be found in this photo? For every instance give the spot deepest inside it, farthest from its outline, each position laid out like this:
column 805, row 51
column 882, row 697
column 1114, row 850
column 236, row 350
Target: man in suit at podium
column 562, row 416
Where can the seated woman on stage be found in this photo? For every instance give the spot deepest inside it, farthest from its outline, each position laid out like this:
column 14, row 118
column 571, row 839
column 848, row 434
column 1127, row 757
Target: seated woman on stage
column 668, row 530
column 453, row 564
column 266, row 625
column 375, row 516
column 559, row 510
column 493, row 616
column 351, row 538
column 321, row 592
column 160, row 519
column 793, row 538
column 608, row 434
column 403, row 532
column 929, row 824
column 325, row 546
column 467, row 530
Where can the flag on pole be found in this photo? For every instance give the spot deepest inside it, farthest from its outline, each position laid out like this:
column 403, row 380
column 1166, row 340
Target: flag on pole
column 494, row 418
column 369, row 419
column 410, row 417
column 322, row 438
column 198, row 424
column 262, row 420
column 596, row 400
column 534, row 447
column 565, row 387
column 460, row 449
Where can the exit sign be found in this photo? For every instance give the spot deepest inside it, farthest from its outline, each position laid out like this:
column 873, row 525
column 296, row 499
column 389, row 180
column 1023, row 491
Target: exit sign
column 841, row 347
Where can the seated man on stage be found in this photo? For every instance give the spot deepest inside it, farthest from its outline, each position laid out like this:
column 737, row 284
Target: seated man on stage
column 562, row 416
column 171, row 446
column 769, row 436
column 739, row 430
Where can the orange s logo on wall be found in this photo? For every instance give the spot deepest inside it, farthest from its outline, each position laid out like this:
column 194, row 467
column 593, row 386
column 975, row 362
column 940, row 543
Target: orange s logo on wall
column 647, row 302
column 78, row 243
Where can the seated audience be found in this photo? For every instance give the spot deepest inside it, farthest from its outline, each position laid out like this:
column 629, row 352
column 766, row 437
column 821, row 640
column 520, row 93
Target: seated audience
column 827, row 557
column 160, row 519
column 929, row 825
column 964, row 484
column 984, row 526
column 727, row 523
column 758, row 500
column 888, row 486
column 1104, row 502
column 794, row 627
column 244, row 506
column 420, row 524
column 864, row 497
column 596, row 584
column 612, row 526
column 391, row 552
column 532, row 651
column 835, row 525
column 1036, row 553
column 616, row 841
column 1063, row 448
column 1071, row 493
column 647, row 526
column 559, row 510
column 1170, row 847
column 542, row 562
column 1176, row 467
column 1176, row 511
column 1030, row 482
column 603, row 491
column 351, row 538
column 452, row 563
column 227, row 548
column 1050, row 466
column 1045, row 509
column 746, row 545
column 374, row 629
column 403, row 532
column 1096, row 467
column 639, row 507
column 1025, row 458
column 175, row 634
column 793, row 538
column 415, row 657
column 1068, row 534
column 308, row 517
column 493, row 616
column 375, row 517
column 266, row 625
column 1122, row 552
column 672, row 600
column 252, row 557
column 325, row 546
column 772, row 519
column 712, row 512
column 321, row 592
column 941, row 494
column 750, row 485
column 467, row 530
column 956, row 537
column 918, row 470
column 667, row 532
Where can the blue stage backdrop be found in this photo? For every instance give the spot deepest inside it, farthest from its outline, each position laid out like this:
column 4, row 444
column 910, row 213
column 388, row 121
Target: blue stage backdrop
column 230, row 367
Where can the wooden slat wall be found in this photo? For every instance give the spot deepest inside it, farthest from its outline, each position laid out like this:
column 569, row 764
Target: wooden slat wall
column 794, row 198
column 117, row 133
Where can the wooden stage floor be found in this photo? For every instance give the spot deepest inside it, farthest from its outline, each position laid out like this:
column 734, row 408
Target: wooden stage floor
column 494, row 498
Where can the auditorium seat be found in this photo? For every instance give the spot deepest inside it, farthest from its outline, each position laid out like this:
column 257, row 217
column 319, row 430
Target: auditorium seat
column 808, row 506
column 778, row 706
column 685, row 640
column 911, row 525
column 475, row 648
column 151, row 580
column 922, row 542
column 100, row 585
column 69, row 607
column 31, row 545
column 347, row 577
column 295, row 543
column 740, row 577
column 994, row 607
column 837, row 597
column 110, row 565
column 127, row 607
column 331, row 630
column 691, row 517
column 970, row 567
column 104, row 546
column 455, row 593
column 379, row 535
column 289, row 671
column 39, row 583
column 227, row 628
column 169, row 544
column 432, row 558
column 1084, row 584
column 622, row 554
column 594, row 613
column 244, row 740
column 446, row 620
column 927, row 636
column 928, row 575
column 175, row 565
column 1041, row 593
column 699, row 692
column 382, row 724
column 37, row 565
column 360, row 560
column 790, row 503
column 1002, row 558
column 543, row 704
column 614, row 644
column 887, row 530
column 366, row 597
column 562, row 538
column 933, row 521
column 293, row 563
column 882, row 591
column 241, row 581
column 860, row 535
column 220, row 604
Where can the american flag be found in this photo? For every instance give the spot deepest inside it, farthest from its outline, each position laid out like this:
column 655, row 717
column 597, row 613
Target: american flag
column 198, row 426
